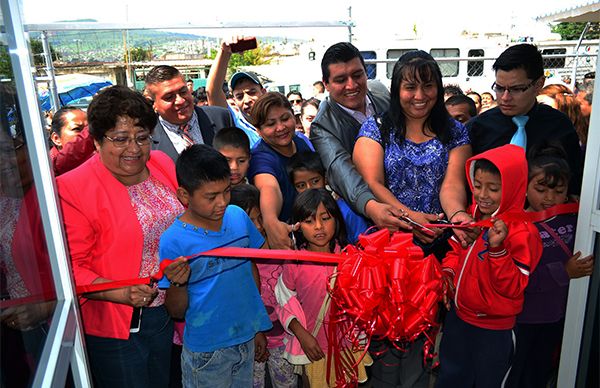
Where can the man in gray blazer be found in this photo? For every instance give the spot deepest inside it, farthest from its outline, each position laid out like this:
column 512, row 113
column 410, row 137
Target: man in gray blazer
column 333, row 132
column 180, row 122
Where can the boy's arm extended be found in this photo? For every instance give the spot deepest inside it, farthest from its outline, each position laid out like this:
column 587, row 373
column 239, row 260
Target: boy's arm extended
column 216, row 77
column 256, row 275
column 176, row 298
column 176, row 301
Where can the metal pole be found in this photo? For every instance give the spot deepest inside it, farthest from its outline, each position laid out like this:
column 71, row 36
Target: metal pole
column 54, row 100
column 350, row 24
column 576, row 60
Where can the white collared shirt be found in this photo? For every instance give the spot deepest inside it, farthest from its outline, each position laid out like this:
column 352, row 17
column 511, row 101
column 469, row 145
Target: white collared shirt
column 173, row 132
column 359, row 116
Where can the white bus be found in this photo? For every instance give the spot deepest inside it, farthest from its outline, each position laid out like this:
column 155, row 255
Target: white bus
column 468, row 62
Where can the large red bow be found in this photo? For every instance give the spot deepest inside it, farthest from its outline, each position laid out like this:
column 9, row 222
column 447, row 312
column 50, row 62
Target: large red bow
column 385, row 288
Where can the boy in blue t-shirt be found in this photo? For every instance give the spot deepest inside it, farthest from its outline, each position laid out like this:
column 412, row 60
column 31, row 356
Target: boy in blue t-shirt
column 307, row 172
column 217, row 296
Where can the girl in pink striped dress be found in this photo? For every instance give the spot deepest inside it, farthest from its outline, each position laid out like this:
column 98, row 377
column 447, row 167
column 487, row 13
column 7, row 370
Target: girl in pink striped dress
column 301, row 290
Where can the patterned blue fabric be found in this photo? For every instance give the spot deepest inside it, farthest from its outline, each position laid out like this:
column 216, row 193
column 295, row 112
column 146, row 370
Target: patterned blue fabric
column 414, row 172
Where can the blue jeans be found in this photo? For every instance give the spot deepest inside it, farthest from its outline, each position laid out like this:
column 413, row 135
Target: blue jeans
column 227, row 367
column 141, row 361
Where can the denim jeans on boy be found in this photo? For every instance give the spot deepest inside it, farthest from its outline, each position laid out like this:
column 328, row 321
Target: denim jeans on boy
column 227, row 367
column 141, row 361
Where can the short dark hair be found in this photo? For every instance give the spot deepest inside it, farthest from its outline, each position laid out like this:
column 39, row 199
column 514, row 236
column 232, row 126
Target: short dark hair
column 58, row 120
column 294, row 92
column 320, row 84
column 189, row 80
column 486, row 166
column 476, row 94
column 201, row 95
column 305, row 161
column 311, row 101
column 453, row 90
column 118, row 101
column 462, row 99
column 232, row 137
column 160, row 74
column 199, row 164
column 260, row 109
column 521, row 56
column 339, row 53
column 245, row 196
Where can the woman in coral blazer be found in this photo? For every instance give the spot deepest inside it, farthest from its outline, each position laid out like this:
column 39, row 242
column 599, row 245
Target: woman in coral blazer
column 115, row 207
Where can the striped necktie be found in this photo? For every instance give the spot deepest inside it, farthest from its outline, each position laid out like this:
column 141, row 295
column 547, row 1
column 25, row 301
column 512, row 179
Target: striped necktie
column 520, row 137
column 184, row 131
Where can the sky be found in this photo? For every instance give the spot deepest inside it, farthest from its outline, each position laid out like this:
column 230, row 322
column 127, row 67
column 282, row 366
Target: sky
column 372, row 18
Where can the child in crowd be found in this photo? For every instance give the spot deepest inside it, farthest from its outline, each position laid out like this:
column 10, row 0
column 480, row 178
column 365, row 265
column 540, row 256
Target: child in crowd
column 540, row 325
column 488, row 278
column 307, row 172
column 281, row 372
column 301, row 290
column 218, row 297
column 234, row 145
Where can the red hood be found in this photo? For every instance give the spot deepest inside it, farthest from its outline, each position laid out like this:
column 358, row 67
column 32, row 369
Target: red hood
column 510, row 160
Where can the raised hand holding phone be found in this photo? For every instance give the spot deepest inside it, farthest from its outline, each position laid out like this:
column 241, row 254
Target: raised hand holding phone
column 243, row 44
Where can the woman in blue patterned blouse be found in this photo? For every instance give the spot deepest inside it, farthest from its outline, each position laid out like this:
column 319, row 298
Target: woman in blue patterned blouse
column 413, row 157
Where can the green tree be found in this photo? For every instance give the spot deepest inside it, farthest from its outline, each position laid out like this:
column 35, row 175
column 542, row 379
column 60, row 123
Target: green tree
column 5, row 68
column 572, row 31
column 262, row 55
column 37, row 49
column 140, row 54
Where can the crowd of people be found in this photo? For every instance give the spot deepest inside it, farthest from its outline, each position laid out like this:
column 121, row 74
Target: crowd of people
column 168, row 177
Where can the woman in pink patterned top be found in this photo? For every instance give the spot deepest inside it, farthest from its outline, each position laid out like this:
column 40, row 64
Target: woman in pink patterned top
column 115, row 207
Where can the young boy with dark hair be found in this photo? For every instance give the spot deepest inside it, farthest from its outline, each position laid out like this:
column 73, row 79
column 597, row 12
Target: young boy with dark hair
column 224, row 314
column 487, row 280
column 307, row 172
column 233, row 143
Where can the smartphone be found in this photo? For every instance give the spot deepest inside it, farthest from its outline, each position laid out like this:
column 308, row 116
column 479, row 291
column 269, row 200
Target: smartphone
column 136, row 320
column 244, row 44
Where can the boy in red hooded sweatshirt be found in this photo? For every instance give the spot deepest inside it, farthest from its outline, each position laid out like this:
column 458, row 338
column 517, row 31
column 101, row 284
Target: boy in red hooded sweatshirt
column 487, row 279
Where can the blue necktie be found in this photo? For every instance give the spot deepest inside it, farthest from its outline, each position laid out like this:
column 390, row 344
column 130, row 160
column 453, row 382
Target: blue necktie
column 520, row 137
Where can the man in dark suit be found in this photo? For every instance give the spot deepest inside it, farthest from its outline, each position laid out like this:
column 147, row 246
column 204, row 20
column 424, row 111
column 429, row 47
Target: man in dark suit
column 180, row 122
column 519, row 78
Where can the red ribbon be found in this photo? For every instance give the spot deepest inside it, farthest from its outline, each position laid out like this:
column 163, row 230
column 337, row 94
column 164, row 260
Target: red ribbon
column 374, row 240
column 273, row 254
column 517, row 216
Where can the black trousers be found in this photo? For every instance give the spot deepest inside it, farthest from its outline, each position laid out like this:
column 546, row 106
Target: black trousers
column 473, row 357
